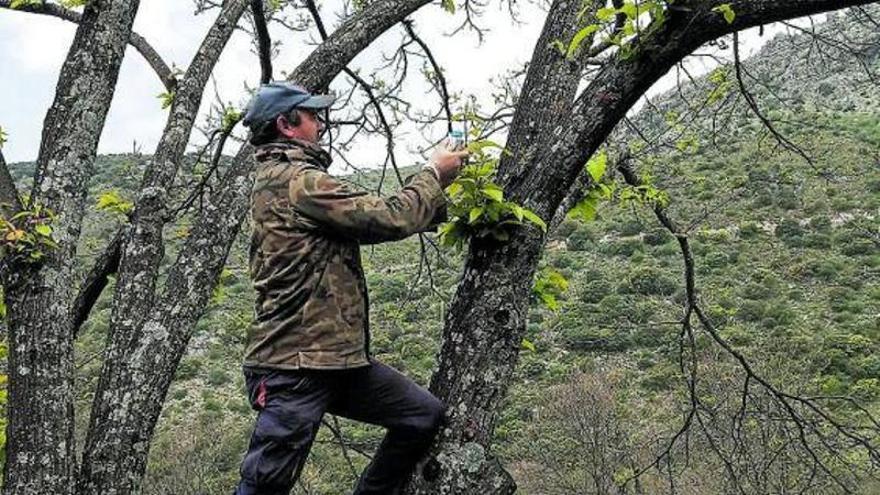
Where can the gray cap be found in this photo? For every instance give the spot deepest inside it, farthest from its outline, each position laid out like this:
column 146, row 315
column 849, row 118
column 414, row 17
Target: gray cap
column 275, row 98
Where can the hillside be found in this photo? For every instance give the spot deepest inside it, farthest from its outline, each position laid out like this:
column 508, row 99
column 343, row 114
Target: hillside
column 787, row 262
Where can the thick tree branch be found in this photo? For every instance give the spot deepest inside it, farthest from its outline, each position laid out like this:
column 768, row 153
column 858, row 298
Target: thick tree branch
column 40, row 451
column 96, row 280
column 368, row 90
column 355, row 34
column 114, row 461
column 166, row 75
column 622, row 81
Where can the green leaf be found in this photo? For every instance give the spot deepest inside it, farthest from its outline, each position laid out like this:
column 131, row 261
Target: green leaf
column 493, row 192
column 630, row 10
column 448, row 5
column 597, row 165
column 274, row 5
column 3, row 137
column 43, row 230
column 535, row 219
column 579, row 38
column 23, row 3
column 550, row 284
column 112, row 201
column 475, row 214
column 585, row 209
column 550, row 301
column 230, row 117
column 166, row 98
column 481, row 145
column 605, row 14
column 528, row 345
column 70, row 4
column 558, row 45
column 454, row 189
column 518, row 211
column 727, row 11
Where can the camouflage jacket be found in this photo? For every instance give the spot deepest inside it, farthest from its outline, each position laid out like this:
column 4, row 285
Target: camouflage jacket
column 311, row 308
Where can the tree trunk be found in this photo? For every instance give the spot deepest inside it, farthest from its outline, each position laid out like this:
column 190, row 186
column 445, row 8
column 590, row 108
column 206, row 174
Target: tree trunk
column 136, row 364
column 487, row 318
column 40, row 450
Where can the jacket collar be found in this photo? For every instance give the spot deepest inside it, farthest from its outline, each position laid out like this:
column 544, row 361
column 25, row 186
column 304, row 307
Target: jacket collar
column 294, row 150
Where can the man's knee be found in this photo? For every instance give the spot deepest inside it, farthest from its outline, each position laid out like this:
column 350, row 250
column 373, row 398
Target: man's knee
column 290, row 432
column 429, row 421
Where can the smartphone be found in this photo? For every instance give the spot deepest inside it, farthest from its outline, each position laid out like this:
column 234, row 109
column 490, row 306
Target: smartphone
column 456, row 139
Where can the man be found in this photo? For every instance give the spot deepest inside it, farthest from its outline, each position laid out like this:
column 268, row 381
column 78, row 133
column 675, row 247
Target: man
column 308, row 347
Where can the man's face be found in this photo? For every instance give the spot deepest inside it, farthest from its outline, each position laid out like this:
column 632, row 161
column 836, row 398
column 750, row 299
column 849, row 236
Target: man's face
column 310, row 127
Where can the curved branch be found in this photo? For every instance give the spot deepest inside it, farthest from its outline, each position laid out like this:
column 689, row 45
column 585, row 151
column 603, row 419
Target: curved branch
column 441, row 79
column 264, row 42
column 386, row 127
column 753, row 105
column 331, row 57
column 621, row 82
column 95, row 282
column 166, row 75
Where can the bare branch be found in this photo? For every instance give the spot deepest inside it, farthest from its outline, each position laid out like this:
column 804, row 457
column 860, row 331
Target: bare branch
column 753, row 105
column 264, row 42
column 166, row 75
column 440, row 83
column 368, row 90
column 330, row 58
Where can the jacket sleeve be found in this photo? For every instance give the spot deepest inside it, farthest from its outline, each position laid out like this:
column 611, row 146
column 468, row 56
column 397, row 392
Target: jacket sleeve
column 362, row 216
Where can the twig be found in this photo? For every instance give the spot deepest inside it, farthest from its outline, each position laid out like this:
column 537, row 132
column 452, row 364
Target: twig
column 166, row 75
column 264, row 42
column 438, row 71
column 753, row 105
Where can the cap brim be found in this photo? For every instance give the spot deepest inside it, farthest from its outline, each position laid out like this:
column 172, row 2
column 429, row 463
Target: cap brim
column 318, row 101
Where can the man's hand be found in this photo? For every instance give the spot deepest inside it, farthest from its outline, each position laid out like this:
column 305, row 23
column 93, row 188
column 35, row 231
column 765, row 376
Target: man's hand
column 446, row 162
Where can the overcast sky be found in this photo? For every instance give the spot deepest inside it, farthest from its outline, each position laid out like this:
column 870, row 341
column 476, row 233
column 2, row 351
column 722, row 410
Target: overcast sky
column 32, row 49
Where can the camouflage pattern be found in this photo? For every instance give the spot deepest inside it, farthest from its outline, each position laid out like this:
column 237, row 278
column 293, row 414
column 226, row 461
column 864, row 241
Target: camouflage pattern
column 311, row 308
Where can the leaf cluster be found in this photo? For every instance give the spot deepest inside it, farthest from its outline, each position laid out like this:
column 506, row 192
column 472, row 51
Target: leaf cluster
column 636, row 16
column 166, row 98
column 477, row 207
column 27, row 234
column 113, row 202
column 549, row 286
column 231, row 116
column 602, row 188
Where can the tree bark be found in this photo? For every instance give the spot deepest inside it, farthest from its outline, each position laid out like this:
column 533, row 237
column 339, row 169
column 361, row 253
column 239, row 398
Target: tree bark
column 122, row 416
column 483, row 329
column 487, row 318
column 10, row 201
column 40, row 450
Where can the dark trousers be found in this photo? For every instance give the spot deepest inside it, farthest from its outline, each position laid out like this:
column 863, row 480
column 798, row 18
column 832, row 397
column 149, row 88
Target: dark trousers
column 292, row 403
